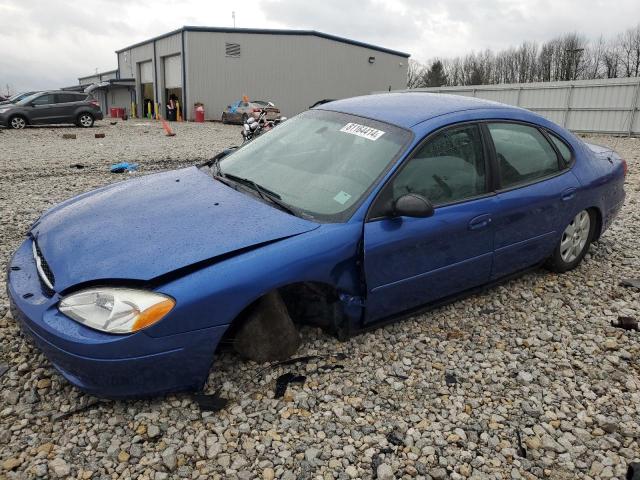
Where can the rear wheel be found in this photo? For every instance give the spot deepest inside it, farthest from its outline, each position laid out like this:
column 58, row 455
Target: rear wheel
column 574, row 243
column 85, row 120
column 18, row 122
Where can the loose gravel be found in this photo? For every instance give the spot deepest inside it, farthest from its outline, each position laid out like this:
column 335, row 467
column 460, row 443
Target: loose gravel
column 527, row 380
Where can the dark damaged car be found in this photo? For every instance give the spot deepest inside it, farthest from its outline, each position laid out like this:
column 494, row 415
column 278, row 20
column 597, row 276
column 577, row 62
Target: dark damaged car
column 347, row 216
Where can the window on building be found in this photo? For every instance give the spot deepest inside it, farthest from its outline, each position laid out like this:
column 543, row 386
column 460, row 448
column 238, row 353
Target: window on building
column 524, row 154
column 232, row 49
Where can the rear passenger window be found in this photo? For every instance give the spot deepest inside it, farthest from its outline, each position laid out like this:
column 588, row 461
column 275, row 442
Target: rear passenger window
column 562, row 147
column 449, row 168
column 523, row 153
column 67, row 97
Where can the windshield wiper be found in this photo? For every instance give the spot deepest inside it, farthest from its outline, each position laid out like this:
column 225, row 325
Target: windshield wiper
column 264, row 193
column 218, row 174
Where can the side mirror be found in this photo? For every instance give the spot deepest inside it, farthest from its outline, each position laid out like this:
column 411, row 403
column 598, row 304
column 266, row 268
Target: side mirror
column 413, row 205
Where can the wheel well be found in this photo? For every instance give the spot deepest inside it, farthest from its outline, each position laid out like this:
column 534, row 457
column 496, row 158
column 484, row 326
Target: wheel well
column 598, row 226
column 308, row 303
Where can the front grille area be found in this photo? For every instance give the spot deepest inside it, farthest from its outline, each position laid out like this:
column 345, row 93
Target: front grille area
column 43, row 270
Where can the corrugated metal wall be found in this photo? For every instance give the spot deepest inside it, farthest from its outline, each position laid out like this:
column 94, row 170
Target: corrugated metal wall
column 291, row 71
column 589, row 106
column 129, row 64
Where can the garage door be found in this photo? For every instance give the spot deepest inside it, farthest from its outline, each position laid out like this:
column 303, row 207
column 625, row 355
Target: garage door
column 172, row 72
column 146, row 72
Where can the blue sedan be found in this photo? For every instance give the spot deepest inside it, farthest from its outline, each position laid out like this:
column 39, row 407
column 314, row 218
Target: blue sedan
column 350, row 215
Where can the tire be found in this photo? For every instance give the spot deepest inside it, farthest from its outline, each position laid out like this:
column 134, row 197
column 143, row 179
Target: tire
column 224, row 118
column 85, row 120
column 17, row 122
column 574, row 243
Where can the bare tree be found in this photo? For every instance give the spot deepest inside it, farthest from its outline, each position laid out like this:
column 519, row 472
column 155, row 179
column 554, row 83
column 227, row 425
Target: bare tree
column 567, row 57
column 415, row 74
column 629, row 44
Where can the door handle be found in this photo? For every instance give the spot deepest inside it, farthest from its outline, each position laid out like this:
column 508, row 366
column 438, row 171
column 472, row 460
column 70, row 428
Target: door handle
column 479, row 222
column 568, row 194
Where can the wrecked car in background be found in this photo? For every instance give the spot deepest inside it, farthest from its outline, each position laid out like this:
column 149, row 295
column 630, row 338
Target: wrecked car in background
column 241, row 111
column 346, row 216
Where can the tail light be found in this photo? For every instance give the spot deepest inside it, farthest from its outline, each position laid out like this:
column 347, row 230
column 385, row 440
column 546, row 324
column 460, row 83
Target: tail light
column 256, row 110
column 95, row 103
column 625, row 167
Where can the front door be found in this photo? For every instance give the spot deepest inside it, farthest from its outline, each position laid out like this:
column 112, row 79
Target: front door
column 413, row 261
column 44, row 109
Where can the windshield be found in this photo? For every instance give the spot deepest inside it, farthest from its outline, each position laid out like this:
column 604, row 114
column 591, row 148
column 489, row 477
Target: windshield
column 26, row 99
column 19, row 96
column 319, row 162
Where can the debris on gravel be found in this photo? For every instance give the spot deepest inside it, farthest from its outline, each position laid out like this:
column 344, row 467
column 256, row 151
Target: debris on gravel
column 526, row 380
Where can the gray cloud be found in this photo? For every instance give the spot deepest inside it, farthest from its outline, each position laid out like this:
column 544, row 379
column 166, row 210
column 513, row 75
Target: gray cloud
column 49, row 44
column 430, row 28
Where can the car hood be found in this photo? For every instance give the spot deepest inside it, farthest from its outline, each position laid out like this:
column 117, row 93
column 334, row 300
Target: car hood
column 143, row 228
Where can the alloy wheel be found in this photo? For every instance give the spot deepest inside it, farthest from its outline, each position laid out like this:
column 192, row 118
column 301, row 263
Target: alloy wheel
column 86, row 120
column 18, row 123
column 575, row 237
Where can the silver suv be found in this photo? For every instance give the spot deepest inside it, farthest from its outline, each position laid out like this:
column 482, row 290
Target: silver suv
column 51, row 107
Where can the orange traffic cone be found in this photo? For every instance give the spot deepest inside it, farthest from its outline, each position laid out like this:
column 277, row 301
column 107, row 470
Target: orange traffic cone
column 167, row 128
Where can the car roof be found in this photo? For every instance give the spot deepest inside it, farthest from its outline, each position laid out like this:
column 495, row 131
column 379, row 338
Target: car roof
column 407, row 109
column 58, row 91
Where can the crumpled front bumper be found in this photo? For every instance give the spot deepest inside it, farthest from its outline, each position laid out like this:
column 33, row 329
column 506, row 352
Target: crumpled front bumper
column 100, row 363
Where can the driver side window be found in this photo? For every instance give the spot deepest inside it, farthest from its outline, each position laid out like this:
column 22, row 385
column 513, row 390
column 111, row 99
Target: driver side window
column 46, row 99
column 448, row 168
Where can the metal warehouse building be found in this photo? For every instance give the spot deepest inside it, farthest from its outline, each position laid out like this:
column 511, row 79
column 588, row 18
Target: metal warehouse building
column 292, row 68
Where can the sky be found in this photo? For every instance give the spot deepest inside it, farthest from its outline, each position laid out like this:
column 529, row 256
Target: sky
column 50, row 43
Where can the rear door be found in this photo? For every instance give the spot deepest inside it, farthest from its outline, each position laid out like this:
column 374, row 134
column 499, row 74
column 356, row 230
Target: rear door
column 68, row 103
column 413, row 261
column 537, row 194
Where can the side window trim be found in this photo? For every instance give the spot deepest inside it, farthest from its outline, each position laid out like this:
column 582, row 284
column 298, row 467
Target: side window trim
column 550, row 135
column 49, row 96
column 542, row 130
column 490, row 172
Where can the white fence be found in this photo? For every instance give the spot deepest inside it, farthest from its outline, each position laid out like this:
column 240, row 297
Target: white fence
column 590, row 106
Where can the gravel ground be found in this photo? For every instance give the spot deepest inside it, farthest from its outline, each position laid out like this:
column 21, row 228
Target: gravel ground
column 527, row 380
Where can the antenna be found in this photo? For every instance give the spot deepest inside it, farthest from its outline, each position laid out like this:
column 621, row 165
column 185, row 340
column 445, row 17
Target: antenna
column 233, row 15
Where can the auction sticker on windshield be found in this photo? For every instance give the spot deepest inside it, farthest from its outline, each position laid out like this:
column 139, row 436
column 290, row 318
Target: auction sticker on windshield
column 362, row 131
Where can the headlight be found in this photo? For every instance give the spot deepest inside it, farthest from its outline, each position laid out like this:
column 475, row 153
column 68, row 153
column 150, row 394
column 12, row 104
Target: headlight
column 116, row 310
column 2, row 110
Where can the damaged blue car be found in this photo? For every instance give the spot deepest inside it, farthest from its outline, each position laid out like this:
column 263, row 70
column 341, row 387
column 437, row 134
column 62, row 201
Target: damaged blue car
column 347, row 216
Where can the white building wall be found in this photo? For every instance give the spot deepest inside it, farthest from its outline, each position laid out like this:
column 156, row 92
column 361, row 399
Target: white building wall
column 293, row 71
